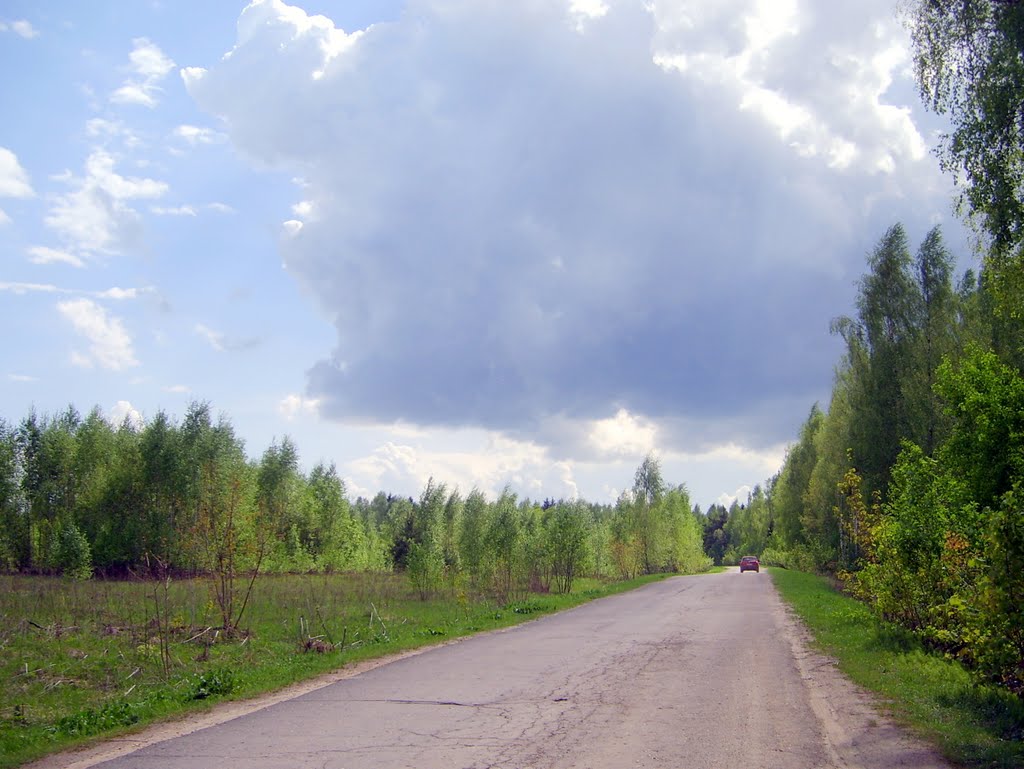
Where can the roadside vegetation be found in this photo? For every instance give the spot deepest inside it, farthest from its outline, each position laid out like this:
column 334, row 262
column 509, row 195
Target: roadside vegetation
column 977, row 725
column 96, row 658
column 154, row 569
column 909, row 487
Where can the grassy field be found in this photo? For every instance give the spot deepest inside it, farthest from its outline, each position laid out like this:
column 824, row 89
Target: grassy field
column 81, row 660
column 975, row 725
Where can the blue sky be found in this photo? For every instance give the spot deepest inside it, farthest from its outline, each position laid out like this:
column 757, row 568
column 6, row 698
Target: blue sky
column 489, row 242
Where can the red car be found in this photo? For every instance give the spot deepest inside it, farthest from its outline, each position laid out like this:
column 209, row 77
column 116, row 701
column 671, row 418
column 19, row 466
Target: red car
column 749, row 563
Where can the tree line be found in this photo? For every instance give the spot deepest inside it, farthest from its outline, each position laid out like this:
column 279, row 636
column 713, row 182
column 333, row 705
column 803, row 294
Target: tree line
column 80, row 496
column 910, row 486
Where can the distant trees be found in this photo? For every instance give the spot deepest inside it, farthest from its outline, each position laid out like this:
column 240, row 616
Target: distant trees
column 81, row 495
column 184, row 495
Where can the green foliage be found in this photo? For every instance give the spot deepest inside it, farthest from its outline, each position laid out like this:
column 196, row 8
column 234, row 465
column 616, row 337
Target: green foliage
column 748, row 527
column 90, row 721
column 943, row 557
column 217, row 682
column 715, row 534
column 792, row 519
column 567, row 527
column 909, row 486
column 985, row 399
column 169, row 498
column 880, row 343
column 472, row 540
column 1000, row 651
column 976, row 725
column 90, row 667
column 969, row 66
column 72, row 556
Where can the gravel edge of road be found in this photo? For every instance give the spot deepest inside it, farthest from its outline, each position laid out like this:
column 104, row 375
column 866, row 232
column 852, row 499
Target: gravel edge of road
column 858, row 731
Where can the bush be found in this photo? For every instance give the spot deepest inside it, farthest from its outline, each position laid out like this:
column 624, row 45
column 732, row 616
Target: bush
column 72, row 555
column 213, row 683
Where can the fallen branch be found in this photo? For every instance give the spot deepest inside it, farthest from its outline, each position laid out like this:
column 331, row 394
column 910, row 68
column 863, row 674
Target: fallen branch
column 197, row 635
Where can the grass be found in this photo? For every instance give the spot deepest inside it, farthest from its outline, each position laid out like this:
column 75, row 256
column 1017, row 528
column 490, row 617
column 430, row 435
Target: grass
column 81, row 661
column 974, row 724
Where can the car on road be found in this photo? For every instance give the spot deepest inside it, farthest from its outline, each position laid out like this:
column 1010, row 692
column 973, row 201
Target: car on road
column 749, row 563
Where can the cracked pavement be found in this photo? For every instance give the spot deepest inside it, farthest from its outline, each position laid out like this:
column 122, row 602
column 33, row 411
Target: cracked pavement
column 705, row 672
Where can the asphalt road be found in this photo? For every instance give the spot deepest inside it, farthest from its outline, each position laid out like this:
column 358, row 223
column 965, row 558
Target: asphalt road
column 704, row 672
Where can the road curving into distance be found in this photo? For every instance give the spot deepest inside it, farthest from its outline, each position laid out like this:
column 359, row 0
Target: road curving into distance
column 704, row 672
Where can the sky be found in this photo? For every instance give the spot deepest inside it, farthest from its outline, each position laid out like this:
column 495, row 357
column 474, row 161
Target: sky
column 492, row 243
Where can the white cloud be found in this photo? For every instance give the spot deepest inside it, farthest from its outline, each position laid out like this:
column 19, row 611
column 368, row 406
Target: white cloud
column 173, row 210
column 124, row 410
column 489, row 463
column 123, row 293
column 115, row 293
column 101, row 128
column 46, row 255
column 135, row 93
column 21, row 378
column 14, row 182
column 214, row 338
column 739, row 495
column 95, row 216
column 21, row 27
column 623, row 434
column 4, row 218
column 221, row 208
column 27, row 288
column 150, row 65
column 819, row 79
column 147, row 60
column 197, row 135
column 519, row 227
column 110, row 345
column 292, row 405
column 303, row 209
column 178, row 389
column 583, row 11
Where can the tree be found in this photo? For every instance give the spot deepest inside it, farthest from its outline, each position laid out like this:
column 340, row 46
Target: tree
column 789, row 489
column 425, row 560
column 335, row 539
column 119, row 524
column 222, row 540
column 879, row 345
column 684, row 547
column 503, row 540
column 567, row 527
column 935, row 338
column 648, row 488
column 166, row 477
column 472, row 539
column 985, row 449
column 969, row 57
column 716, row 538
column 275, row 486
column 14, row 513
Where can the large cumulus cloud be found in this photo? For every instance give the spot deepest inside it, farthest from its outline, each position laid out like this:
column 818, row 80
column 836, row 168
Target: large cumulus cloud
column 529, row 214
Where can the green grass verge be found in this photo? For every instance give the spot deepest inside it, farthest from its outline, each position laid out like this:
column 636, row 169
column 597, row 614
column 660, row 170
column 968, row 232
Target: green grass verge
column 83, row 661
column 974, row 724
